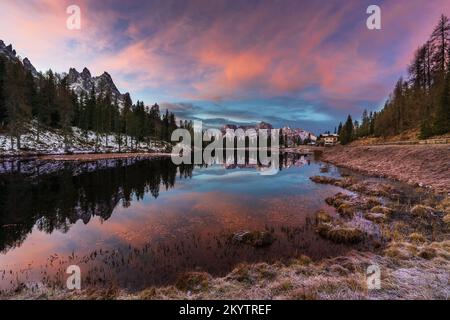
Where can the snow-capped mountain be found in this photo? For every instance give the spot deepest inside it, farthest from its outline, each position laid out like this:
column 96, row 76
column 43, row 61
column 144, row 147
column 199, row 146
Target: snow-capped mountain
column 290, row 133
column 84, row 82
column 7, row 51
column 79, row 82
column 256, row 127
column 10, row 54
column 297, row 132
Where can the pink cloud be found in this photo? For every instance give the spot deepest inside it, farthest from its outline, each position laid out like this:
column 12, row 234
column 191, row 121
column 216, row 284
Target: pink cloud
column 224, row 51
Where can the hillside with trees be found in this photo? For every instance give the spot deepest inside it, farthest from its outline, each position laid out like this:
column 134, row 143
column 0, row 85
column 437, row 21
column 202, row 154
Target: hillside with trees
column 421, row 102
column 46, row 102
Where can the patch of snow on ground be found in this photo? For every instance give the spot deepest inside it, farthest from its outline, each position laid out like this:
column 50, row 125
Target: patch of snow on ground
column 52, row 142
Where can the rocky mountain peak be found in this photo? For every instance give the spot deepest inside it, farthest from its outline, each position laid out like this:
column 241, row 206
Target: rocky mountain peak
column 80, row 83
column 27, row 64
column 73, row 75
column 86, row 74
column 106, row 75
column 8, row 51
column 84, row 83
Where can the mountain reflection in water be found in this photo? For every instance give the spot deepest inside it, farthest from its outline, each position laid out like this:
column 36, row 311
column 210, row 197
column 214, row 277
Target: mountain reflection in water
column 113, row 218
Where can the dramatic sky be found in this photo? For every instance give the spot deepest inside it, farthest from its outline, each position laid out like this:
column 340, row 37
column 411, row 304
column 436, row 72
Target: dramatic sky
column 303, row 63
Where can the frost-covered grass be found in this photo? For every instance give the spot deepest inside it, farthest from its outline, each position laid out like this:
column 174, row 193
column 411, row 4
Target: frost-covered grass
column 79, row 141
column 411, row 277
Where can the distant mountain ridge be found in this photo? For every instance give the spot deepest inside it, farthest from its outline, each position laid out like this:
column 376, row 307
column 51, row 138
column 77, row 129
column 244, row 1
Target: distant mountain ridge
column 261, row 125
column 290, row 133
column 80, row 82
column 11, row 54
column 51, row 112
column 84, row 82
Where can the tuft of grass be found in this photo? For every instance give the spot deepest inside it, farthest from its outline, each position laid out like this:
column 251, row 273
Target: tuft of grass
column 323, row 180
column 427, row 253
column 343, row 183
column 417, row 237
column 444, row 205
column 265, row 271
column 372, row 202
column 322, row 216
column 283, row 287
column 337, row 199
column 242, row 273
column 303, row 260
column 381, row 209
column 148, row 294
column 401, row 250
column 375, row 217
column 422, row 211
column 346, row 210
column 446, row 219
column 340, row 234
column 304, row 294
column 193, row 281
column 254, row 238
column 103, row 294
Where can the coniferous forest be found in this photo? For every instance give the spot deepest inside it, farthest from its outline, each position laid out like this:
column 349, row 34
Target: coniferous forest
column 421, row 101
column 47, row 100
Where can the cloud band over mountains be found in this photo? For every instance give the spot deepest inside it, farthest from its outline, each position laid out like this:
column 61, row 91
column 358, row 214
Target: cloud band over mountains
column 303, row 63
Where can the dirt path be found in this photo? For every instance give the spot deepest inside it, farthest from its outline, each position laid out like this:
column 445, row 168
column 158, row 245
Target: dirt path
column 425, row 165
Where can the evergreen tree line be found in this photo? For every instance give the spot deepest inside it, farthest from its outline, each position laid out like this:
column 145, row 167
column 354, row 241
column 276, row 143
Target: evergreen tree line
column 48, row 100
column 422, row 101
column 58, row 200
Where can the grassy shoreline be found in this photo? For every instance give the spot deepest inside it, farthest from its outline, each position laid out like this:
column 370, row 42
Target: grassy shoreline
column 412, row 252
column 411, row 246
column 418, row 165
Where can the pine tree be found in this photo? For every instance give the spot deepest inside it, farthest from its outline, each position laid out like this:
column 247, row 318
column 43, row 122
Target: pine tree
column 117, row 123
column 65, row 110
column 339, row 130
column 442, row 118
column 3, row 114
column 31, row 93
column 17, row 107
column 347, row 131
column 440, row 40
column 422, row 101
column 126, row 116
column 47, row 100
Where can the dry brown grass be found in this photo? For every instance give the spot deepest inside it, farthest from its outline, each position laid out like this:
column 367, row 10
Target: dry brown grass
column 408, row 271
column 417, row 238
column 382, row 209
column 193, row 281
column 346, row 210
column 446, row 219
column 422, row 211
column 340, row 234
column 375, row 217
column 323, row 216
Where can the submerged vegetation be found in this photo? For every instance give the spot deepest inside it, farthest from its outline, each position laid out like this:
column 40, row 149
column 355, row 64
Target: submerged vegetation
column 405, row 231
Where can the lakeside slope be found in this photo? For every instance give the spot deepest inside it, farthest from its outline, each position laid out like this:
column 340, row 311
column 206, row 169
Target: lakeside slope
column 423, row 165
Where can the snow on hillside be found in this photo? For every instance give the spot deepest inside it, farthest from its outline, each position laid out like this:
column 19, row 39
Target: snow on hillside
column 84, row 83
column 52, row 142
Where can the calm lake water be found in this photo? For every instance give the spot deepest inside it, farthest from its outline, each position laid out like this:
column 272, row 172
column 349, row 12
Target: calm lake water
column 138, row 222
